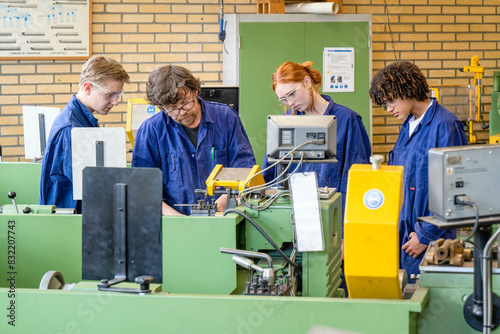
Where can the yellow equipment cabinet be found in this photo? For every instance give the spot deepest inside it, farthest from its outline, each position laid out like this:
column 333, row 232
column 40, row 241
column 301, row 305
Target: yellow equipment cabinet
column 371, row 247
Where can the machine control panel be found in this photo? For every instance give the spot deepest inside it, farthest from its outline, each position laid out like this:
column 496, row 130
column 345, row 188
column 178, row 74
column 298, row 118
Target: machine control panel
column 464, row 171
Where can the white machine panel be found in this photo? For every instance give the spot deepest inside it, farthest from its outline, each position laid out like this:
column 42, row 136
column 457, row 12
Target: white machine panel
column 31, row 127
column 307, row 212
column 84, row 151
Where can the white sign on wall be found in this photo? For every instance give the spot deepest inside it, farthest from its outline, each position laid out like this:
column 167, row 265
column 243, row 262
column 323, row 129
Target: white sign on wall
column 338, row 70
column 45, row 29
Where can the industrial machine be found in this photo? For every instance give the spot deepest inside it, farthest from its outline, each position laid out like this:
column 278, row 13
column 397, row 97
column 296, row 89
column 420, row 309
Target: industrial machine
column 246, row 271
column 461, row 189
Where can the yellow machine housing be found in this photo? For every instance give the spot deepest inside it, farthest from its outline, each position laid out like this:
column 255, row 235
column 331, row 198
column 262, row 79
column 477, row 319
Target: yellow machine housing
column 371, row 246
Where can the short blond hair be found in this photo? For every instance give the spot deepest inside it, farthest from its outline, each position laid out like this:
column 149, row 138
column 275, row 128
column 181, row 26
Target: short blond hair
column 99, row 69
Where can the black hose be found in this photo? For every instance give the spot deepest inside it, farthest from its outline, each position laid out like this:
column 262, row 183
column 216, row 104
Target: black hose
column 287, row 259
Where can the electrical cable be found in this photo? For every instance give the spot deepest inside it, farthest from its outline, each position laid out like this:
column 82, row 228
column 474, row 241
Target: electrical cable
column 390, row 30
column 464, row 200
column 246, row 191
column 287, row 259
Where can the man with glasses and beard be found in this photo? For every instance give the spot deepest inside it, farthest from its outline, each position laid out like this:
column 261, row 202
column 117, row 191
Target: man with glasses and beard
column 188, row 138
column 101, row 87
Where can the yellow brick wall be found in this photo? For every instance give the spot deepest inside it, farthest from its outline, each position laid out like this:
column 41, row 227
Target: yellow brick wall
column 439, row 35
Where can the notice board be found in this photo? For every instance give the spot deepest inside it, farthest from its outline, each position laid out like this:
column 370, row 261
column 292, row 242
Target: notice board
column 47, row 29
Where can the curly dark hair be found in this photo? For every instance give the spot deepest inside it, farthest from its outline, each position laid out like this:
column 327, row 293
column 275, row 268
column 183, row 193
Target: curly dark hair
column 166, row 82
column 399, row 80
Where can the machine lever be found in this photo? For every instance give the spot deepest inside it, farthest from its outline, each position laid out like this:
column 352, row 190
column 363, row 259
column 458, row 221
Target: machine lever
column 246, row 263
column 144, row 281
column 12, row 196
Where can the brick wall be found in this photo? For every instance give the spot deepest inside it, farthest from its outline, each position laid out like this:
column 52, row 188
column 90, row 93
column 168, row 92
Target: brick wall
column 439, row 35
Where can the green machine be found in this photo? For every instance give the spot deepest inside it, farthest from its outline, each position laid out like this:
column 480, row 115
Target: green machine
column 495, row 110
column 202, row 288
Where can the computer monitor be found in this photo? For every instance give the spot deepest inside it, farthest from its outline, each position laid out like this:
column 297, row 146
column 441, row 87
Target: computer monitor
column 286, row 132
column 223, row 94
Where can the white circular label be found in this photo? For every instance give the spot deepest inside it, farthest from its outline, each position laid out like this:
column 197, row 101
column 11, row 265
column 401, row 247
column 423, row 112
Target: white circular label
column 373, row 199
column 151, row 110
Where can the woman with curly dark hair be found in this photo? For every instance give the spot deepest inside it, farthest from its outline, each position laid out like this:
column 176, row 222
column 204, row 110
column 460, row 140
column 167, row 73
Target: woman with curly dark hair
column 402, row 90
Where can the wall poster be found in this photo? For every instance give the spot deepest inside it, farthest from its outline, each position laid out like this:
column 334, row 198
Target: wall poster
column 47, row 29
column 338, row 70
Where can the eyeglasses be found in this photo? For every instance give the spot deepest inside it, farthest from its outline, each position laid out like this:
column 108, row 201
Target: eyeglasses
column 175, row 112
column 107, row 94
column 384, row 104
column 291, row 94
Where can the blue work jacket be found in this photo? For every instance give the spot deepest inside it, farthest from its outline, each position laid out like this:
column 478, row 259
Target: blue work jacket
column 353, row 147
column 438, row 128
column 56, row 181
column 161, row 142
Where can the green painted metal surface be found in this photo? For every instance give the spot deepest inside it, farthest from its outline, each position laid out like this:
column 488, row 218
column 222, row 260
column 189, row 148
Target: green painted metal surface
column 448, row 292
column 41, row 243
column 192, row 261
column 266, row 45
column 103, row 312
column 21, row 177
column 495, row 114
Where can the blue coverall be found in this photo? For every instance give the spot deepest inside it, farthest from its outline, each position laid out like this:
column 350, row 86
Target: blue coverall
column 161, row 142
column 438, row 128
column 56, row 181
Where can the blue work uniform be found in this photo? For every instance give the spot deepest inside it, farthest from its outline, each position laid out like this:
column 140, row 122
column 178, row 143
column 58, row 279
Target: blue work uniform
column 56, row 181
column 163, row 143
column 438, row 128
column 353, row 147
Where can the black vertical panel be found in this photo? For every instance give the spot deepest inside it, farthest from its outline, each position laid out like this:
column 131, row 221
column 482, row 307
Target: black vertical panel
column 143, row 222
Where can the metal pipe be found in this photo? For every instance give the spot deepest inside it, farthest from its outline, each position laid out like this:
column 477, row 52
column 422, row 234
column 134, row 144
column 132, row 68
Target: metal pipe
column 246, row 263
column 487, row 291
column 482, row 236
column 242, row 252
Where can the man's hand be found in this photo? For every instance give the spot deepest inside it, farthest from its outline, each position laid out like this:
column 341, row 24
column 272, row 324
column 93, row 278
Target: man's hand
column 413, row 247
column 221, row 203
column 342, row 249
column 167, row 210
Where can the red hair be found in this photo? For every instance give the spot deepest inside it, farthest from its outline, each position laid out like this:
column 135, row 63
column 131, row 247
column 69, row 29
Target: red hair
column 290, row 72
